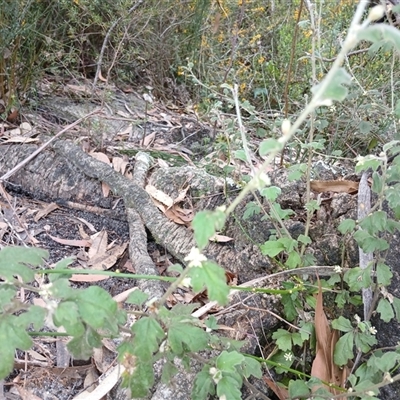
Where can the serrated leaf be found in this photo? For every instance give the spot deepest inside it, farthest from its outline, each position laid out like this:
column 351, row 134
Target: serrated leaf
column 346, row 226
column 335, row 91
column 370, row 243
column 229, row 387
column 240, row 155
column 227, row 361
column 35, row 315
column 298, row 389
column 294, row 260
column 203, row 385
column 81, row 347
column 183, row 337
column 7, row 293
column 252, row 208
column 271, row 193
column 385, row 309
column 384, row 274
column 283, row 339
column 270, row 145
column 344, row 349
column 205, row 225
column 137, row 297
column 211, row 276
column 396, row 307
column 342, row 324
column 98, row 309
column 14, row 261
column 250, row 366
column 151, row 330
column 358, row 278
column 364, row 341
column 381, row 34
column 68, row 316
column 387, row 361
column 272, row 248
column 375, row 222
column 140, row 381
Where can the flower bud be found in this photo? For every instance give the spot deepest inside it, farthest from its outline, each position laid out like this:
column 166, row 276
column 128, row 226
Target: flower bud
column 376, row 13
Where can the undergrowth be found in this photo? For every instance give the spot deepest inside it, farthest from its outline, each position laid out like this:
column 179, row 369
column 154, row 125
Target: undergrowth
column 347, row 360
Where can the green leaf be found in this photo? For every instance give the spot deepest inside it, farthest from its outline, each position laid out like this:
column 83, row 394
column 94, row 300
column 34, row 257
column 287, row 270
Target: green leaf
column 81, row 347
column 205, row 224
column 35, row 315
column 272, row 248
column 271, row 193
column 364, row 127
column 364, row 341
column 377, row 182
column 385, row 309
column 278, row 214
column 250, row 366
column 181, row 334
column 386, row 362
column 367, row 162
column 14, row 261
column 289, row 307
column 7, row 293
column 358, row 278
column 98, row 309
column 229, row 387
column 240, row 155
column 375, row 222
column 141, row 380
column 381, row 34
column 6, row 356
column 370, row 243
column 211, row 276
column 203, row 385
column 383, row 273
column 149, row 329
column 67, row 315
column 294, row 260
column 298, row 389
column 227, row 361
column 346, row 226
column 335, row 90
column 342, row 324
column 304, row 239
column 283, row 339
column 396, row 307
column 270, row 145
column 295, row 172
column 252, row 208
column 344, row 349
column 137, row 297
column 211, row 322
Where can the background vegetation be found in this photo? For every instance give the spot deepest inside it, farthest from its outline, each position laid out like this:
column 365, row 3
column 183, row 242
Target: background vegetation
column 275, row 55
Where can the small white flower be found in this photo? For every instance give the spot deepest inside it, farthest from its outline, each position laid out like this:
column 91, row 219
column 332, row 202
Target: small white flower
column 286, row 126
column 357, row 318
column 373, row 330
column 288, row 356
column 186, row 282
column 376, row 13
column 370, row 393
column 195, row 258
column 337, row 269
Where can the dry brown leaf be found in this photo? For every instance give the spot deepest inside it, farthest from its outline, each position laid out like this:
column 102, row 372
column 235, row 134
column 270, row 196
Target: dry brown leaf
column 46, row 211
column 72, row 242
column 91, row 379
column 149, row 139
column 334, row 186
column 159, row 196
column 88, row 278
column 20, row 139
column 281, row 392
column 220, row 238
column 171, row 215
column 80, row 89
column 99, row 243
column 323, row 366
column 119, row 164
column 125, row 132
column 181, row 195
column 101, row 157
column 101, row 77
